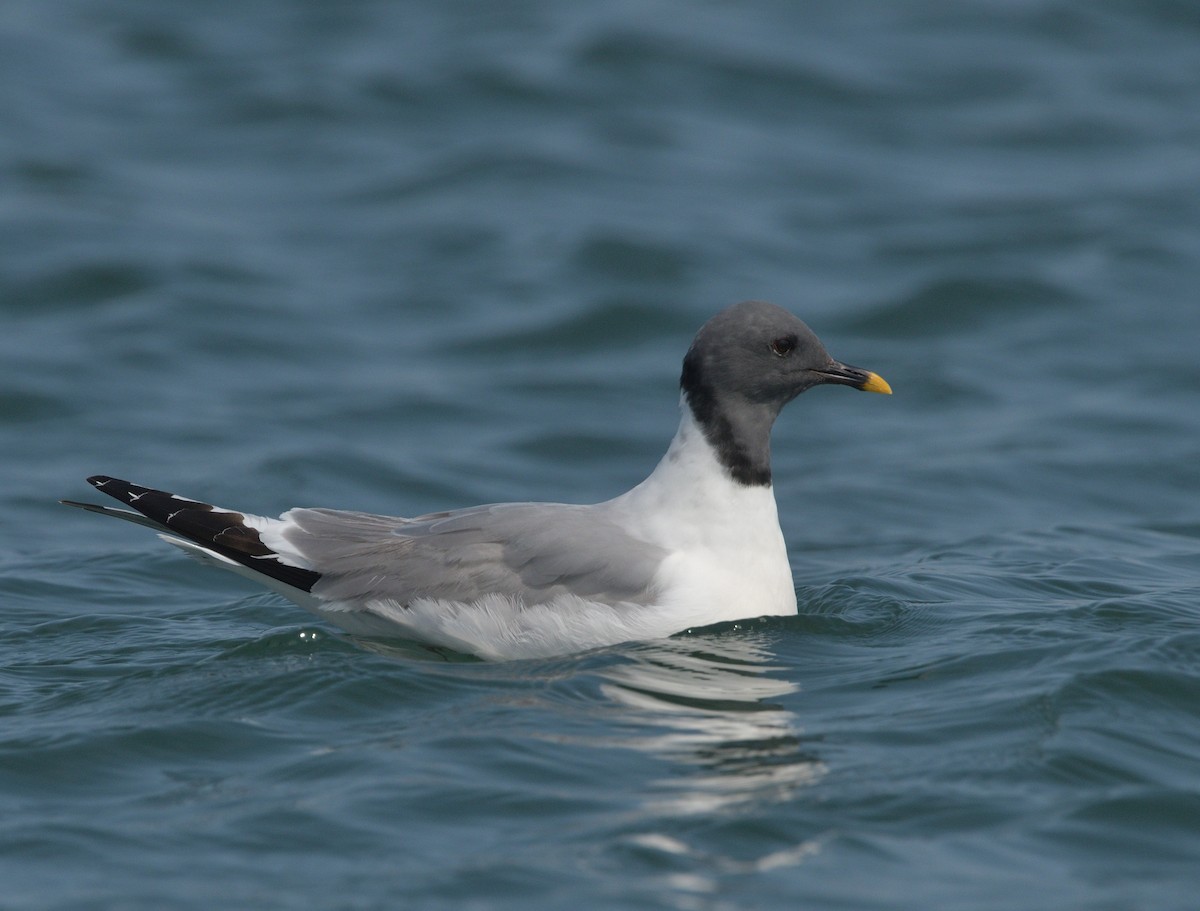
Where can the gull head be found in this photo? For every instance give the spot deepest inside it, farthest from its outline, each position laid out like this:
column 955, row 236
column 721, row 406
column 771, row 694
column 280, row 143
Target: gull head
column 761, row 354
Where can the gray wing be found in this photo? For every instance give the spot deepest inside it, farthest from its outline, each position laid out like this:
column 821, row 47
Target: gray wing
column 531, row 551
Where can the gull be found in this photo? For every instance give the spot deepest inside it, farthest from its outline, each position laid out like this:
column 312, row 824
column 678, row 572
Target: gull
column 697, row 542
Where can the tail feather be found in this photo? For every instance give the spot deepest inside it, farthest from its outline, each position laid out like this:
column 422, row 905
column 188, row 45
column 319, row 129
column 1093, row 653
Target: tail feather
column 224, row 533
column 135, row 517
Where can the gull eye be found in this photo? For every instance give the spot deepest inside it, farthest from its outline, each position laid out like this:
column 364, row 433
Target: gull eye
column 784, row 345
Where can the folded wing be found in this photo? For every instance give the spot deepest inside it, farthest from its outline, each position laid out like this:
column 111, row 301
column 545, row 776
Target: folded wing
column 532, row 552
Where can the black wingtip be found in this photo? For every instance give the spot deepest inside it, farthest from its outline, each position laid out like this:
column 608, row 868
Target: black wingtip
column 221, row 530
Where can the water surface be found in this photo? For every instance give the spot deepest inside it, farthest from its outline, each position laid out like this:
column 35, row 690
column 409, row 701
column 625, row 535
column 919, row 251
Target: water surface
column 404, row 257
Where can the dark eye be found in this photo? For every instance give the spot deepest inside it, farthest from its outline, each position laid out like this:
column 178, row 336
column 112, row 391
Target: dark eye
column 784, row 346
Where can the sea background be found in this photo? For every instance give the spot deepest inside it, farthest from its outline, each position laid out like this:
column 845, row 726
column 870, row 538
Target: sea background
column 414, row 255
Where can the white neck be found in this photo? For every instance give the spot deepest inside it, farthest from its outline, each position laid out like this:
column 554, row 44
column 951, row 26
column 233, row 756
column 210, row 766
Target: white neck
column 690, row 481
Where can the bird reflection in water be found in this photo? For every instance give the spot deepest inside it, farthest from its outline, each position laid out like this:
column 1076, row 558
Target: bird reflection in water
column 704, row 703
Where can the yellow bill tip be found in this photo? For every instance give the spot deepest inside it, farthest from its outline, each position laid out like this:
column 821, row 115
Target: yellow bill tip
column 876, row 383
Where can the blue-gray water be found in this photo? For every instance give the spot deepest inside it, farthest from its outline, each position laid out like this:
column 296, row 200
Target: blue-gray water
column 408, row 256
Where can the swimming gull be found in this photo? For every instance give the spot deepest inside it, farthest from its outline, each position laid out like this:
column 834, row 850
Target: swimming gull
column 698, row 542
